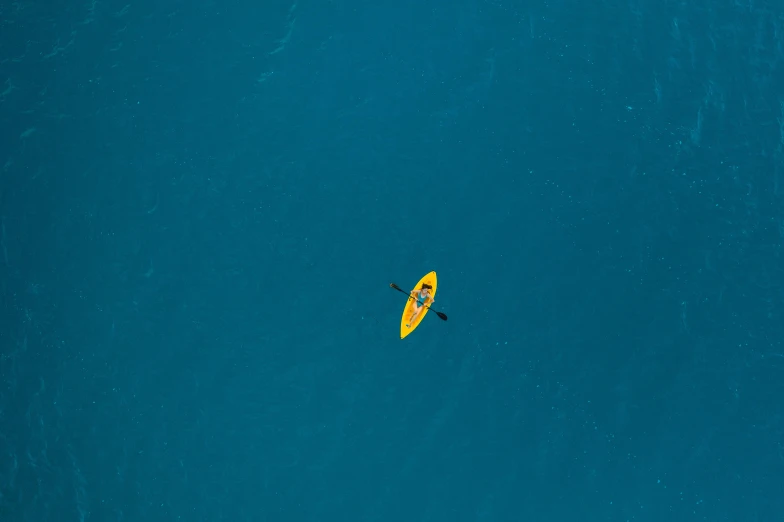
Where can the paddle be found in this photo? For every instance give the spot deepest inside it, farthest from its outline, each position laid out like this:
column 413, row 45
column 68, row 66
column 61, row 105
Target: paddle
column 440, row 315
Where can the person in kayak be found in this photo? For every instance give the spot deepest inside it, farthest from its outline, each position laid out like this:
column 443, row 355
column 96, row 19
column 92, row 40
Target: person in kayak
column 421, row 298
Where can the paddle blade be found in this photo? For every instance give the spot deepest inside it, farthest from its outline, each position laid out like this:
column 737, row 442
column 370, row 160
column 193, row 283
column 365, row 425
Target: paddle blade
column 393, row 285
column 441, row 315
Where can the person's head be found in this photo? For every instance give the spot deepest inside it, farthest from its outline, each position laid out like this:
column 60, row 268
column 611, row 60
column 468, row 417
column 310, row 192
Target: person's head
column 426, row 286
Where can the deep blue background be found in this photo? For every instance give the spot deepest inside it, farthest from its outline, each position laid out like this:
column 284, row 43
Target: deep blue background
column 203, row 204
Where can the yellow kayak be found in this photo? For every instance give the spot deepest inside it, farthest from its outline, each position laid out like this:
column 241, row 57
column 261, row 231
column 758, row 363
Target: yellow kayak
column 411, row 303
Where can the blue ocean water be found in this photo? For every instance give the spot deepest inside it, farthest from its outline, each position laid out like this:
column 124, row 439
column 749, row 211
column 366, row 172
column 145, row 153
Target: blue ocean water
column 202, row 205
